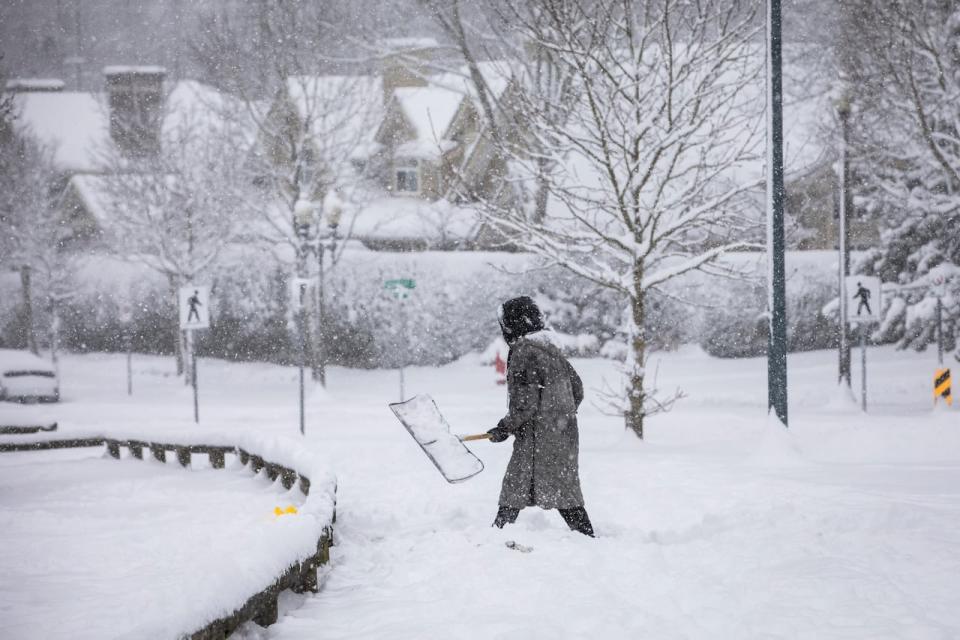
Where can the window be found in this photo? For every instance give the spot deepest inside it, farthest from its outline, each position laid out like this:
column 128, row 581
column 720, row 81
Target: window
column 407, row 176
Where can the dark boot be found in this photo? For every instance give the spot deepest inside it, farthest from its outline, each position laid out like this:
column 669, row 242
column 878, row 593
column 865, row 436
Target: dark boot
column 578, row 520
column 505, row 515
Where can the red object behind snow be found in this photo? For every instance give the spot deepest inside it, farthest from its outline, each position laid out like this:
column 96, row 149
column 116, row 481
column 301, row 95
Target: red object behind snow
column 501, row 367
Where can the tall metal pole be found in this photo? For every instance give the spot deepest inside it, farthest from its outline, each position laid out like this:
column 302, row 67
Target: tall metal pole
column 302, row 326
column 193, row 376
column 777, row 347
column 301, row 314
column 321, row 317
column 129, row 366
column 863, row 367
column 843, row 110
column 403, row 340
column 940, row 330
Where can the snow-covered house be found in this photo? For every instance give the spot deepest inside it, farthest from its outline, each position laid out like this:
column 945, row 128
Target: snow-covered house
column 86, row 132
column 403, row 146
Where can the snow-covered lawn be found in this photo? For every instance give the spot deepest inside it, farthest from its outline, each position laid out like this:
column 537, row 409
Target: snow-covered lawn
column 92, row 547
column 718, row 526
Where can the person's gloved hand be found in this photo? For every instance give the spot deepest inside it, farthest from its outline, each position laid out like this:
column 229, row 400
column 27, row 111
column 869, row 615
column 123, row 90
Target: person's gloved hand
column 498, row 434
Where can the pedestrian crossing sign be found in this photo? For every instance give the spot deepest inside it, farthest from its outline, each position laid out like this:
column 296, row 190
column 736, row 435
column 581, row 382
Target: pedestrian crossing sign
column 194, row 307
column 863, row 299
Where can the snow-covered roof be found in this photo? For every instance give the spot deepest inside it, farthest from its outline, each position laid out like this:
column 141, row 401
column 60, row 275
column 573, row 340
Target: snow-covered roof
column 75, row 125
column 16, row 360
column 343, row 111
column 390, row 218
column 424, row 149
column 402, row 44
column 118, row 69
column 92, row 192
column 193, row 107
column 429, row 110
column 496, row 73
column 35, row 84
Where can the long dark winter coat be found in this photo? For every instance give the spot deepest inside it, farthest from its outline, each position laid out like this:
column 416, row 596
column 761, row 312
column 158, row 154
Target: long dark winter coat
column 545, row 392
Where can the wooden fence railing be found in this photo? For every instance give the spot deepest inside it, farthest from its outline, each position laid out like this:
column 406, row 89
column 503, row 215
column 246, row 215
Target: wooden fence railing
column 261, row 607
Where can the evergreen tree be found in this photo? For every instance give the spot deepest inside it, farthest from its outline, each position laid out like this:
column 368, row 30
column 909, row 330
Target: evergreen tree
column 909, row 149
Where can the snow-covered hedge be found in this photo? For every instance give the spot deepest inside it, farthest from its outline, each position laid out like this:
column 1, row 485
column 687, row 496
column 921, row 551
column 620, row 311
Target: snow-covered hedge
column 452, row 310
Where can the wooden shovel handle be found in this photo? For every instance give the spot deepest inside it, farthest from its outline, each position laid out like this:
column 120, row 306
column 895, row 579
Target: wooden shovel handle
column 478, row 436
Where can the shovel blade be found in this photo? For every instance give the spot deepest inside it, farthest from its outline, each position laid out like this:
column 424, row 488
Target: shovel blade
column 423, row 420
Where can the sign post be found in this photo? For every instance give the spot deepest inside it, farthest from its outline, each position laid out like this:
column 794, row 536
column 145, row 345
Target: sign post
column 126, row 318
column 301, row 288
column 940, row 283
column 194, row 314
column 867, row 295
column 401, row 289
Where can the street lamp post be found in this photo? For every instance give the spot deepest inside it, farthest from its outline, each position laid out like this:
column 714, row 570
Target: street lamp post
column 777, row 346
column 303, row 218
column 333, row 213
column 846, row 204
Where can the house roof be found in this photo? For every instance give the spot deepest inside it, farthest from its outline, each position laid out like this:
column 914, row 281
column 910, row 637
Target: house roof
column 343, row 111
column 429, row 110
column 390, row 218
column 74, row 124
column 35, row 84
column 193, row 106
column 92, row 192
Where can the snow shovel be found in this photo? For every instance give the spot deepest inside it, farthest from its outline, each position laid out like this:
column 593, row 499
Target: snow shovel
column 423, row 420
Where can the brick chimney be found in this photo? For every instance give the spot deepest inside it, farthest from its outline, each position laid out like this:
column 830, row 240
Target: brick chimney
column 406, row 65
column 135, row 99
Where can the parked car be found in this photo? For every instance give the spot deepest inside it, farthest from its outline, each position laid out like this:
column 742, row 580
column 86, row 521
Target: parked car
column 25, row 377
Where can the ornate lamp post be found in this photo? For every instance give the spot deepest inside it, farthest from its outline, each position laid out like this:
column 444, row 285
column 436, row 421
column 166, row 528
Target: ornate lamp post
column 303, row 219
column 326, row 240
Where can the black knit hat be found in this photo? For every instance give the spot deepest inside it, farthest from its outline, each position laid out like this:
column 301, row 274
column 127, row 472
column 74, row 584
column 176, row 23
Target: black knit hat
column 518, row 317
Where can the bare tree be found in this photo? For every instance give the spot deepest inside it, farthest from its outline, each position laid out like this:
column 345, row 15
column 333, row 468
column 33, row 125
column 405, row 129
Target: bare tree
column 512, row 79
column 34, row 234
column 311, row 126
column 651, row 158
column 178, row 210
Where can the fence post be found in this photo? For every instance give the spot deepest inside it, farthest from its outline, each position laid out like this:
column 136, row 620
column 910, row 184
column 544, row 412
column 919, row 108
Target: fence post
column 267, row 614
column 217, row 459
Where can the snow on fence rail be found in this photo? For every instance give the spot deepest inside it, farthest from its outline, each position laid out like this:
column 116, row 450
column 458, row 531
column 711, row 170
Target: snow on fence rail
column 279, row 459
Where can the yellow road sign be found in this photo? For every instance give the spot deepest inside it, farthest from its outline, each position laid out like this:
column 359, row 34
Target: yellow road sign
column 941, row 386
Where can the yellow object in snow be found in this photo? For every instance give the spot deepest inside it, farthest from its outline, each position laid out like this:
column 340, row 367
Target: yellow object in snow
column 277, row 511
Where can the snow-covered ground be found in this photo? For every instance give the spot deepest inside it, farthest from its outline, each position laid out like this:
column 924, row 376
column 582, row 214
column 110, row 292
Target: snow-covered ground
column 91, row 547
column 719, row 525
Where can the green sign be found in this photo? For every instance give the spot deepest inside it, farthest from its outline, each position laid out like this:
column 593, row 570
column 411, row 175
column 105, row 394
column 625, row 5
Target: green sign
column 400, row 287
column 405, row 283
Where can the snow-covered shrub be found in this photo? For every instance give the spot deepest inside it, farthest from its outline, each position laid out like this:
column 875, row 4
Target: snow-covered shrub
column 451, row 312
column 733, row 322
column 918, row 262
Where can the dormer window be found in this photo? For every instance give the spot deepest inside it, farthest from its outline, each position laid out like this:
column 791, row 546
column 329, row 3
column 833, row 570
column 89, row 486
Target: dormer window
column 407, row 176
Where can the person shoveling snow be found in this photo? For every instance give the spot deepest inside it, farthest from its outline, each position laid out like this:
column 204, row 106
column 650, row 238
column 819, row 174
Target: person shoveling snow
column 545, row 392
